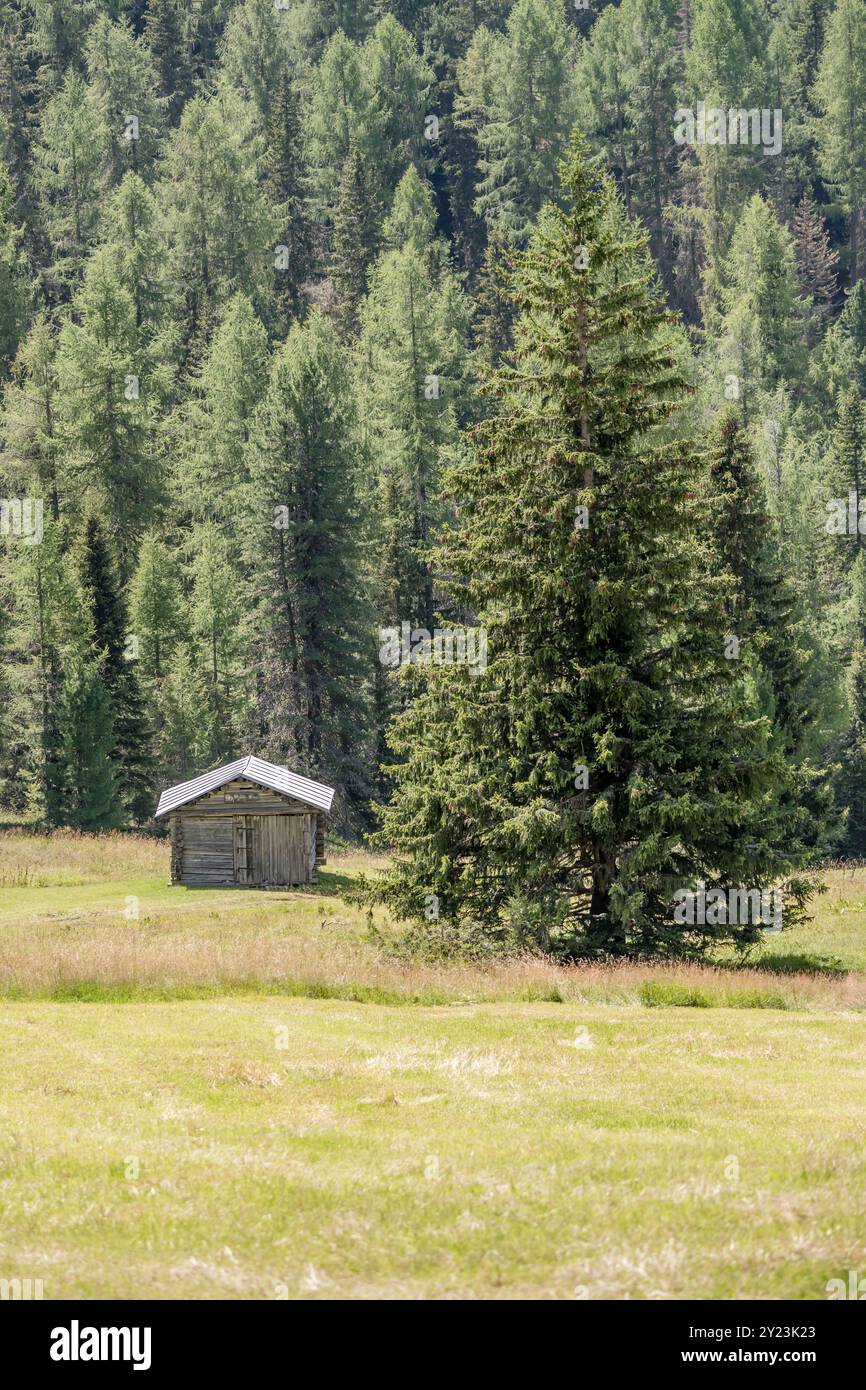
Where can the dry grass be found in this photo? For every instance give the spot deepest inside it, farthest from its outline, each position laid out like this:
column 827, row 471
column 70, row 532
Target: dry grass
column 133, row 960
column 67, row 857
column 64, row 934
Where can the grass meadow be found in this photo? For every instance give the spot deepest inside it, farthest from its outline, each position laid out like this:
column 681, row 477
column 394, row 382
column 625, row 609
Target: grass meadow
column 239, row 1094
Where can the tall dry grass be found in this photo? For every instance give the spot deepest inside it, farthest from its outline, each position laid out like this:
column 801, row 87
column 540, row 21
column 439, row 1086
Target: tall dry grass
column 67, row 857
column 135, row 960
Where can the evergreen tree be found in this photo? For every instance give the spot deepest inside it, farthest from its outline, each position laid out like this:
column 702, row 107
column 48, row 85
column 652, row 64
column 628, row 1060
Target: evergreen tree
column 257, row 53
column 216, row 612
column 90, row 797
column 846, row 468
column 212, row 429
column 310, row 621
column 400, row 81
column 221, row 229
column 517, row 92
column 69, row 175
column 164, row 33
column 29, row 419
column 183, row 736
column 106, row 405
column 761, row 329
column 340, row 117
column 116, row 654
column 15, row 295
column 603, row 758
column 816, row 261
column 355, row 243
column 156, row 607
column 285, row 179
column 627, row 76
column 414, row 369
column 840, row 88
column 133, row 236
column 123, row 89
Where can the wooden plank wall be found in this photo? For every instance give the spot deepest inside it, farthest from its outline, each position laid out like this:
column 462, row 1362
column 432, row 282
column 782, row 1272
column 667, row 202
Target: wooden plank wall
column 208, row 851
column 246, row 834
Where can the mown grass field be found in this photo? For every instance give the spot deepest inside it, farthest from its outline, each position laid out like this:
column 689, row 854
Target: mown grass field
column 240, row 1095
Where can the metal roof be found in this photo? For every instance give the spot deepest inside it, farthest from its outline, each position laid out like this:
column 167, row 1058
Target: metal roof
column 276, row 779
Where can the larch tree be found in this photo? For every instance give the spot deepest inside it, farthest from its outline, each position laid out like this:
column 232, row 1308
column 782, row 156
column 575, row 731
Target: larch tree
column 123, row 88
column 840, row 89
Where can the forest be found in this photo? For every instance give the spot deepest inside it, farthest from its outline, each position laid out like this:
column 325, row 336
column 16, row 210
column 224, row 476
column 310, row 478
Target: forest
column 461, row 404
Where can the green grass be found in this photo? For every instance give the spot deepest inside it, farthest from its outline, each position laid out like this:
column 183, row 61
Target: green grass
column 240, row 1095
column 536, row 1150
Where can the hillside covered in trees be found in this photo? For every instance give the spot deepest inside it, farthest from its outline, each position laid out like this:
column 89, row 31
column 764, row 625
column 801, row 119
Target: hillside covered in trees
column 323, row 321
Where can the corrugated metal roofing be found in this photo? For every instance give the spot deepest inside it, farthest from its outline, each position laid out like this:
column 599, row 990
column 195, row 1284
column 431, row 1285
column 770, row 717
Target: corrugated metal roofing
column 277, row 779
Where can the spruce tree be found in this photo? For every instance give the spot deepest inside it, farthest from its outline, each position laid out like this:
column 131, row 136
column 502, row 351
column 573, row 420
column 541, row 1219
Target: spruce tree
column 116, row 656
column 602, row 759
column 285, row 181
column 355, row 243
column 311, row 626
column 91, row 801
column 164, row 32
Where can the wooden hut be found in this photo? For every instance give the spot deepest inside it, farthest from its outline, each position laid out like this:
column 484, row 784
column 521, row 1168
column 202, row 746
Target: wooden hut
column 250, row 824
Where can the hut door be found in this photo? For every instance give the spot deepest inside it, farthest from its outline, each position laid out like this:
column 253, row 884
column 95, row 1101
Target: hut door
column 243, row 849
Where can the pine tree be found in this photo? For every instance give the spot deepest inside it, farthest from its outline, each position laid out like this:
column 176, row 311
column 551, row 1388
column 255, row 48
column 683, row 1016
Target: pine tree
column 340, row 117
column 777, row 649
column 816, row 261
column 310, row 619
column 761, row 329
column 602, row 758
column 493, row 321
column 216, row 612
column 183, row 734
column 116, row 655
column 285, row 181
column 132, row 235
column 846, row 470
column 257, row 51
column 415, row 365
column 355, row 244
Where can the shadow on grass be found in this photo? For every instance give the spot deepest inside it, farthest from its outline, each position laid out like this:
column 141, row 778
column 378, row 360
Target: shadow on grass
column 788, row 964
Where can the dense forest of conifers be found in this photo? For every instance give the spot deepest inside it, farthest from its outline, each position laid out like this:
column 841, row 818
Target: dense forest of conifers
column 321, row 318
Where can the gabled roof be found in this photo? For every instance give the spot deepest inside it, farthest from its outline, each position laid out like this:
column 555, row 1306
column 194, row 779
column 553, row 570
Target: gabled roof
column 276, row 779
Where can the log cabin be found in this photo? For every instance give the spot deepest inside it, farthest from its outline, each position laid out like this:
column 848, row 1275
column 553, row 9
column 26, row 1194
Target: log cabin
column 249, row 824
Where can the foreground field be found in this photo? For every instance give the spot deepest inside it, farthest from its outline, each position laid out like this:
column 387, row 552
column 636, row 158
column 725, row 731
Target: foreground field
column 245, row 1095
column 263, row 1148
